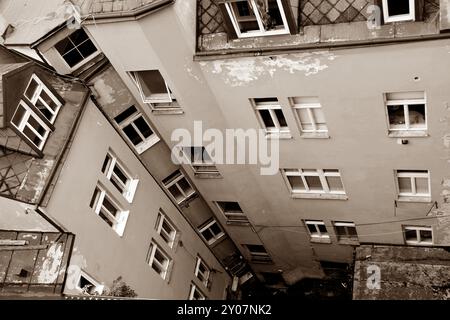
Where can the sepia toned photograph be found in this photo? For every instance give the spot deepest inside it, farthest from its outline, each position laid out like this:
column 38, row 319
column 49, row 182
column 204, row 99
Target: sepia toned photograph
column 249, row 153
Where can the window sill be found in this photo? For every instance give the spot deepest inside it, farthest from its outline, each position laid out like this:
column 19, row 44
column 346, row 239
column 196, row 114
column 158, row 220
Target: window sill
column 217, row 242
column 238, row 223
column 322, row 196
column 321, row 240
column 147, row 145
column 418, row 244
column 315, row 135
column 167, row 111
column 208, row 175
column 278, row 135
column 408, row 134
column 349, row 242
column 414, row 199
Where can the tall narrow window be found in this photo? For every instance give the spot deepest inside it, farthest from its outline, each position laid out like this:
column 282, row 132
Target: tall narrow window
column 406, row 113
column 202, row 272
column 107, row 209
column 211, row 231
column 119, row 176
column 346, row 231
column 43, row 98
column 232, row 211
column 398, row 10
column 86, row 285
column 179, row 187
column 200, row 160
column 314, row 181
column 136, row 129
column 159, row 260
column 415, row 235
column 166, row 230
column 30, row 125
column 258, row 253
column 76, row 48
column 310, row 116
column 152, row 86
column 195, row 293
column 271, row 116
column 252, row 18
column 413, row 184
column 317, row 230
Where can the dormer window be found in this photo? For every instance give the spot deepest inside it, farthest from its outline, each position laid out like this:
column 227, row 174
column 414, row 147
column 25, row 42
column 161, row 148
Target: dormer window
column 398, row 10
column 43, row 99
column 76, row 48
column 30, row 125
column 251, row 18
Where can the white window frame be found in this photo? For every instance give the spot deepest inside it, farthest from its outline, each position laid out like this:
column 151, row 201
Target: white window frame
column 129, row 188
column 271, row 107
column 206, row 276
column 98, row 288
column 346, row 225
column 151, row 260
column 413, row 175
column 419, row 240
column 192, row 292
column 261, row 31
column 158, row 98
column 233, row 217
column 319, row 173
column 258, row 256
column 146, row 142
column 197, row 166
column 37, row 97
column 172, row 236
column 216, row 237
column 319, row 235
column 119, row 222
column 308, row 106
column 175, row 181
column 86, row 59
column 406, row 103
column 403, row 17
column 24, row 123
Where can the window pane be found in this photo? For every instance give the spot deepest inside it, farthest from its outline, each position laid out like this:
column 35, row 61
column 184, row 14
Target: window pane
column 119, row 173
column 215, row 229
column 341, row 231
column 87, row 49
column 152, row 82
column 352, row 231
column 404, row 185
column 272, row 19
column 132, row 135
column 185, row 186
column 319, row 118
column 296, row 183
column 417, row 115
column 106, row 218
column 36, row 125
column 411, row 235
column 305, row 119
column 94, row 198
column 245, row 16
column 106, row 163
column 231, row 207
column 64, row 46
column 207, row 234
column 314, row 183
column 44, row 110
column 176, row 193
column 110, row 207
column 397, row 7
column 312, row 228
column 18, row 115
column 335, row 183
column 73, row 58
column 31, row 89
column 280, row 117
column 160, row 257
column 143, row 127
column 78, row 37
column 267, row 118
column 422, row 185
column 32, row 136
column 322, row 228
column 125, row 114
column 256, row 248
column 426, row 236
column 396, row 117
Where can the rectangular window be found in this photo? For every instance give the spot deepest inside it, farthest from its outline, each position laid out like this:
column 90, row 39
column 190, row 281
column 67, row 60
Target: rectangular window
column 195, row 293
column 86, row 285
column 202, row 272
column 413, row 183
column 43, row 98
column 398, row 10
column 258, row 253
column 346, row 231
column 200, row 160
column 232, row 211
column 105, row 207
column 406, row 112
column 314, row 181
column 159, row 260
column 252, row 18
column 317, row 230
column 166, row 230
column 271, row 115
column 211, row 232
column 152, row 87
column 30, row 125
column 179, row 187
column 119, row 176
column 136, row 129
column 76, row 48
column 310, row 115
column 415, row 235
